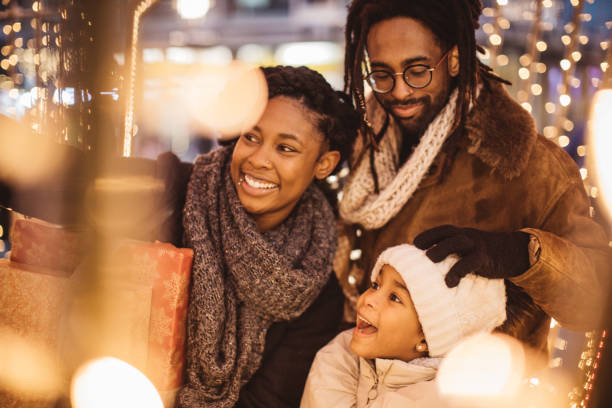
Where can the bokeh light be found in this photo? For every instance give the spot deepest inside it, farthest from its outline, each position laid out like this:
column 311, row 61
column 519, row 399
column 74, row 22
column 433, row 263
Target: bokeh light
column 600, row 144
column 28, row 369
column 482, row 370
column 192, row 9
column 227, row 100
column 110, row 382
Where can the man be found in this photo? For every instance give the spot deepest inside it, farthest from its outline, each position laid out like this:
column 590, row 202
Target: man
column 450, row 162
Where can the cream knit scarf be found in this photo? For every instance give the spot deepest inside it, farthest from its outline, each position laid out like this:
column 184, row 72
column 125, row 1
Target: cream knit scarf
column 360, row 204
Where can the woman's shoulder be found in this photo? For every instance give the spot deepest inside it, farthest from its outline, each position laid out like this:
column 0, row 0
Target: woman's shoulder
column 214, row 156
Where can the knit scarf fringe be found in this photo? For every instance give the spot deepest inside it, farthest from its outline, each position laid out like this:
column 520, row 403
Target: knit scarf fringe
column 360, row 204
column 244, row 280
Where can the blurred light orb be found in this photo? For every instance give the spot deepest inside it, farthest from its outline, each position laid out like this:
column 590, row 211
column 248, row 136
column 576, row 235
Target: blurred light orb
column 565, row 64
column 309, row 53
column 565, row 99
column 526, row 106
column 32, row 157
column 110, row 382
column 482, row 370
column 541, row 46
column 495, row 39
column 536, row 89
column 502, row 60
column 599, row 127
column 192, row 9
column 227, row 100
column 28, row 368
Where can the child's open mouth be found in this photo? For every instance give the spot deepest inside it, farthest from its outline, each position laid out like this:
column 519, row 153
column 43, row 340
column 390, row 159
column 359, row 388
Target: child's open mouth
column 364, row 327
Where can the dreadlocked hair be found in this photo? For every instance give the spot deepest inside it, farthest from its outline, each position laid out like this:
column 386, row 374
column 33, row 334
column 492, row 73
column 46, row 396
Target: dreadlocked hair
column 453, row 22
column 334, row 116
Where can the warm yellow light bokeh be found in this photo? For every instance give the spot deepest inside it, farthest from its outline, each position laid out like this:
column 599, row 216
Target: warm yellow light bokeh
column 483, row 369
column 28, row 369
column 599, row 134
column 110, row 382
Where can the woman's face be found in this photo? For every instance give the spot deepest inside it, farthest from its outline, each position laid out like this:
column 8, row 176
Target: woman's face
column 275, row 161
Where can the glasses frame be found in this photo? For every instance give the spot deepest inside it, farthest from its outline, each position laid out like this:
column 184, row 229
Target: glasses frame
column 403, row 74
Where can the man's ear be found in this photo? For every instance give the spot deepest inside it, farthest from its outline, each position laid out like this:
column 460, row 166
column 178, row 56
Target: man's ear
column 453, row 61
column 326, row 164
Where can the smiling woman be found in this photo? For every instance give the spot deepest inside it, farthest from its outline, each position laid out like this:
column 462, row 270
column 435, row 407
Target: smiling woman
column 264, row 237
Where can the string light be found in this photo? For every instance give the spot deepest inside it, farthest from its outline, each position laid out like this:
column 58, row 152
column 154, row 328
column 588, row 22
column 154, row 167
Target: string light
column 529, row 60
column 494, row 31
column 567, row 64
column 128, row 134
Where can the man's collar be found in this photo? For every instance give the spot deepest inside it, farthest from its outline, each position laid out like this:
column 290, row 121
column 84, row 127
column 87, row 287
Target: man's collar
column 500, row 132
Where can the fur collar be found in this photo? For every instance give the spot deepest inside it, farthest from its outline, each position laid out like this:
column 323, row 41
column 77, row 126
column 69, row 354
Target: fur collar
column 500, row 132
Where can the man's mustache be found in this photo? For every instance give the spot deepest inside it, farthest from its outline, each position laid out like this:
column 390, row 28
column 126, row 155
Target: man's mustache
column 405, row 102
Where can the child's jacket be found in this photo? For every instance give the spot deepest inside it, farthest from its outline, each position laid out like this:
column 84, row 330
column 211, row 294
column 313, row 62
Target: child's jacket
column 339, row 378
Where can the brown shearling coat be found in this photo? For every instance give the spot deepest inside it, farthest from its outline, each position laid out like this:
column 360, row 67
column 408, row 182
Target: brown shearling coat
column 501, row 175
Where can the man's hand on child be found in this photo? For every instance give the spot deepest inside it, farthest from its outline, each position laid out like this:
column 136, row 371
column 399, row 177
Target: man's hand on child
column 488, row 254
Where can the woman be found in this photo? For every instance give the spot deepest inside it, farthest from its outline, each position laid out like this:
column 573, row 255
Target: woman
column 262, row 301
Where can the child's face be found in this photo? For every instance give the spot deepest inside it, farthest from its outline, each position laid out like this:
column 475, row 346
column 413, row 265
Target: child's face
column 387, row 323
column 276, row 161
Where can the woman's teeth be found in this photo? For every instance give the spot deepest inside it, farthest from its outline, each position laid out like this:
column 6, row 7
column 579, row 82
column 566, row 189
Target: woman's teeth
column 257, row 183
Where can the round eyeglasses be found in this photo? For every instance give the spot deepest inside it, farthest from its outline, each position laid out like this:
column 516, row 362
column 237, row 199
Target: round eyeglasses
column 416, row 76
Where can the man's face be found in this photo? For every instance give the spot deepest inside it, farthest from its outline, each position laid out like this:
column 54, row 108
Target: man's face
column 393, row 45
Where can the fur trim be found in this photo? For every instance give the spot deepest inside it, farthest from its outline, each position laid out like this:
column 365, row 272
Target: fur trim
column 502, row 134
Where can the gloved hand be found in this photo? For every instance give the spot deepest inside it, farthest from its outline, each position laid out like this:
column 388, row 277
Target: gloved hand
column 488, row 254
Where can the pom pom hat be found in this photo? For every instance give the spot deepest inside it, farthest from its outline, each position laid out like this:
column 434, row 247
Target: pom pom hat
column 447, row 315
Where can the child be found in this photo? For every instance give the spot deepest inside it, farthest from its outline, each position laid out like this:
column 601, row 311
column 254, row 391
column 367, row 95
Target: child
column 406, row 322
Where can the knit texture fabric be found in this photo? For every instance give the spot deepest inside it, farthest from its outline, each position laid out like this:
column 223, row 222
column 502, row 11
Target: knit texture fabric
column 244, row 280
column 447, row 315
column 360, row 204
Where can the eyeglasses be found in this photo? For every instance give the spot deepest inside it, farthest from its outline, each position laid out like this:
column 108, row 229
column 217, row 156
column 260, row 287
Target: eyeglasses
column 416, row 76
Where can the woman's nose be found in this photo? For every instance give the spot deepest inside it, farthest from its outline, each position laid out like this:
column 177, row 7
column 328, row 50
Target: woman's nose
column 260, row 158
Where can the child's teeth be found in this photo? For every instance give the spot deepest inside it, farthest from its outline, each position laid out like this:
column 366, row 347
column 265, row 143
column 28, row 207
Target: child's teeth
column 257, row 184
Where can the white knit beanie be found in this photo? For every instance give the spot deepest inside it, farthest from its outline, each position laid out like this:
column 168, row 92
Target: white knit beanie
column 447, row 315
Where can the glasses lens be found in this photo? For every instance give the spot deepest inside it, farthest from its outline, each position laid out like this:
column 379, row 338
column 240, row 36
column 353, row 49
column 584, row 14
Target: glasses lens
column 417, row 76
column 380, row 81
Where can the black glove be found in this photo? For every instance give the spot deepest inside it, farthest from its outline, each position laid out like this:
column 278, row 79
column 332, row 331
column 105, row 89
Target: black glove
column 488, row 254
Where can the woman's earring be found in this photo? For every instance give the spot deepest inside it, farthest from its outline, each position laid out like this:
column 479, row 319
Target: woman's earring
column 421, row 347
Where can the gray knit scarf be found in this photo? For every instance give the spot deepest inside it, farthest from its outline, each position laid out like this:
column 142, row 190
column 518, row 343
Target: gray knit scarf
column 244, row 280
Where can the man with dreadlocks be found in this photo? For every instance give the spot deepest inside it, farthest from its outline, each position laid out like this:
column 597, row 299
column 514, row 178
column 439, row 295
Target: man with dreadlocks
column 450, row 162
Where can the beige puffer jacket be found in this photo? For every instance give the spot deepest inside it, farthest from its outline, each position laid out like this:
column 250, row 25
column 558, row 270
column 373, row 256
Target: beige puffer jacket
column 340, row 379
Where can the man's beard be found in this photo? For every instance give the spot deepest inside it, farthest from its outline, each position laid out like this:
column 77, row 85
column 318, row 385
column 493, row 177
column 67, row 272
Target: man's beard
column 414, row 127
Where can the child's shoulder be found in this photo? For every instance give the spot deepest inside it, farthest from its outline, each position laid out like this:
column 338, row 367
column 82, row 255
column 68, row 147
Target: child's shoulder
column 339, row 344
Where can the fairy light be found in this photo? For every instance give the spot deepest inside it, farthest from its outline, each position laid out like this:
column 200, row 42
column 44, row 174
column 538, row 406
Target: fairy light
column 128, row 135
column 494, row 31
column 530, row 60
column 567, row 64
column 590, row 360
